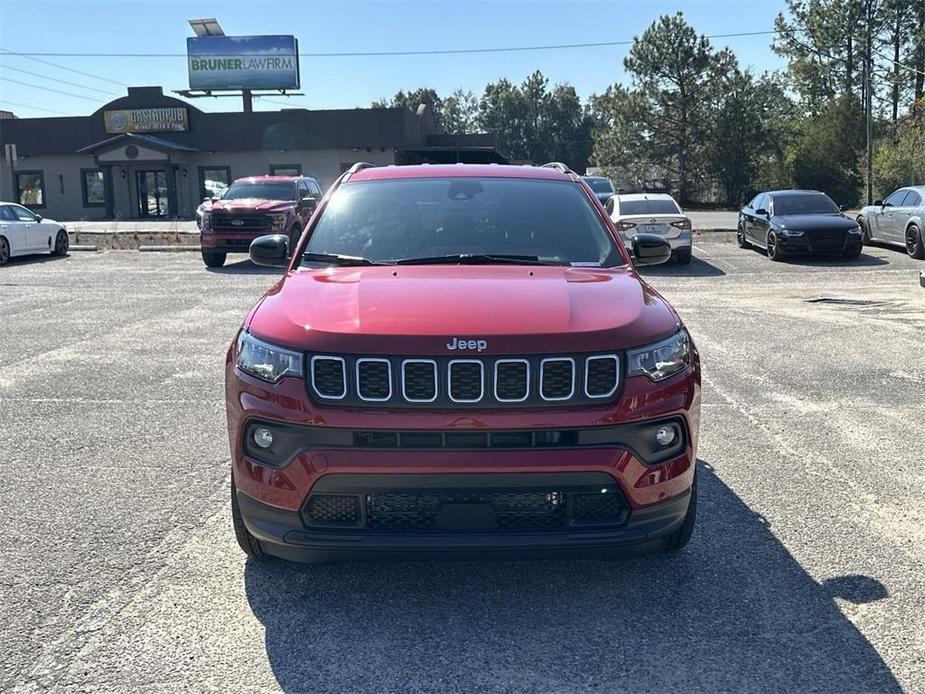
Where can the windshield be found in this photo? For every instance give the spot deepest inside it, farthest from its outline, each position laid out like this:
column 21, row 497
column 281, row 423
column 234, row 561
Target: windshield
column 804, row 204
column 630, row 207
column 392, row 220
column 262, row 191
column 600, row 185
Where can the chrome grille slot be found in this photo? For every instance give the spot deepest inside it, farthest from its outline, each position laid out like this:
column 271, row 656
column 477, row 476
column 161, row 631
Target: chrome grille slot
column 602, row 375
column 557, row 378
column 374, row 379
column 329, row 377
column 465, row 380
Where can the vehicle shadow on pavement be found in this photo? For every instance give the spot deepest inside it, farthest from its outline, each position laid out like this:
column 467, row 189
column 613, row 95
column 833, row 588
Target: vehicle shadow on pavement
column 36, row 258
column 734, row 611
column 245, row 267
column 698, row 267
column 864, row 260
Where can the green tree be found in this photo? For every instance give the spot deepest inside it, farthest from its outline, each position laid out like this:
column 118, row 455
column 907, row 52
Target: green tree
column 412, row 99
column 616, row 117
column 902, row 163
column 460, row 112
column 827, row 154
column 673, row 70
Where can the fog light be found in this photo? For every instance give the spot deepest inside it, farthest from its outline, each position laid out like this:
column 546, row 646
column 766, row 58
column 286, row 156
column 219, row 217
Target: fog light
column 263, row 437
column 665, row 435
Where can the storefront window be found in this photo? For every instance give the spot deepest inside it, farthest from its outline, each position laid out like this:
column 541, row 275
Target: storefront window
column 213, row 181
column 93, row 188
column 285, row 169
column 30, row 188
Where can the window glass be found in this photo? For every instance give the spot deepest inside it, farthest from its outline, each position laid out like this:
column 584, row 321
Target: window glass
column 260, row 190
column 30, row 189
column 6, row 213
column 599, row 184
column 214, row 181
column 285, row 169
column 914, row 199
column 22, row 214
column 816, row 203
column 390, row 220
column 629, row 207
column 897, row 198
column 761, row 202
column 304, row 192
column 94, row 192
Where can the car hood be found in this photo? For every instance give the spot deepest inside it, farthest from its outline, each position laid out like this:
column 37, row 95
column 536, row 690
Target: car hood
column 808, row 222
column 419, row 309
column 244, row 205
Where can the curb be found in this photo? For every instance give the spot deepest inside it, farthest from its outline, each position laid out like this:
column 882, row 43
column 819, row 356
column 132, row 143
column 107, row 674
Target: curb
column 82, row 248
column 167, row 249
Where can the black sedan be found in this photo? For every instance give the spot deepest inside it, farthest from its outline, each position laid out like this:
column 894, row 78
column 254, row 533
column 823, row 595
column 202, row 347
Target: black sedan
column 798, row 221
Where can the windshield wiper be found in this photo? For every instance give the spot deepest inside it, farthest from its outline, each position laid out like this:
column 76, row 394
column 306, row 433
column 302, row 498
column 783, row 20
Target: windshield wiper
column 474, row 259
column 337, row 259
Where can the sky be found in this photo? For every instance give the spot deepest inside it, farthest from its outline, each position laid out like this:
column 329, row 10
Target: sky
column 325, row 26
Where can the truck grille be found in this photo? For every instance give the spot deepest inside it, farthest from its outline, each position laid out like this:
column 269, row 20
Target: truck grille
column 225, row 222
column 472, row 382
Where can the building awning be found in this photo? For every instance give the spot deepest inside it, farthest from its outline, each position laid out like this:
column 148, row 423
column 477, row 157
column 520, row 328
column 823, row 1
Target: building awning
column 158, row 144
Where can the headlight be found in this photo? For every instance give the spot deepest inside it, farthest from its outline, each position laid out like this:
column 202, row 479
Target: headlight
column 661, row 360
column 206, row 224
column 790, row 232
column 265, row 361
column 855, row 230
column 279, row 221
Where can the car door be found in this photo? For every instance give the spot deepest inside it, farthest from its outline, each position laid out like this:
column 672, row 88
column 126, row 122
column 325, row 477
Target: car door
column 901, row 215
column 13, row 230
column 33, row 234
column 887, row 219
column 758, row 221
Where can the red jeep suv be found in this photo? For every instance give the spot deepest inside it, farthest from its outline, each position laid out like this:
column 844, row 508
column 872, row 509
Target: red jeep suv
column 252, row 207
column 461, row 358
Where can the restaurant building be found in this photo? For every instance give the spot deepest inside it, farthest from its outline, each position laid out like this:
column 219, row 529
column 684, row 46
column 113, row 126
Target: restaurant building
column 150, row 155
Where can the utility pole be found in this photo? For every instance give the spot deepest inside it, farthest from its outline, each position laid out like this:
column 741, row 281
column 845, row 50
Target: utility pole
column 868, row 102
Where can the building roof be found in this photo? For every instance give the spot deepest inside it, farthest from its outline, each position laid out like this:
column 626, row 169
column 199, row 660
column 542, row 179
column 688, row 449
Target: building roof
column 156, row 143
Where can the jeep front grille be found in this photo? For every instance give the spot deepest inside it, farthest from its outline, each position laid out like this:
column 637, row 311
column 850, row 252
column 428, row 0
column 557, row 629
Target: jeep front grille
column 444, row 382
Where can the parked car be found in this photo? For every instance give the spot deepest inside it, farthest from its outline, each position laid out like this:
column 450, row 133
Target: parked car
column 461, row 357
column 23, row 232
column 783, row 222
column 214, row 190
column 652, row 213
column 601, row 186
column 252, row 207
column 898, row 220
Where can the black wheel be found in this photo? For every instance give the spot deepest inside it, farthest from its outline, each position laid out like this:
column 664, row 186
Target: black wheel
column 61, row 243
column 741, row 241
column 682, row 535
column 684, row 256
column 212, row 259
column 852, row 253
column 774, row 252
column 249, row 544
column 914, row 244
column 294, row 237
column 865, row 230
column 4, row 250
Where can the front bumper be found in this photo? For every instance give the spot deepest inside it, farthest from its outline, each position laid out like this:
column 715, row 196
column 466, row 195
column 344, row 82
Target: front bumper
column 287, row 535
column 230, row 243
column 808, row 244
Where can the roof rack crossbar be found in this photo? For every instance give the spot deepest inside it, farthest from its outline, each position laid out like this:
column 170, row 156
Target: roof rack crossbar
column 359, row 166
column 559, row 166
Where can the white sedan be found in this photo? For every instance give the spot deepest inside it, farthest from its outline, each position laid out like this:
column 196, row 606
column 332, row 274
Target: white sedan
column 23, row 232
column 652, row 213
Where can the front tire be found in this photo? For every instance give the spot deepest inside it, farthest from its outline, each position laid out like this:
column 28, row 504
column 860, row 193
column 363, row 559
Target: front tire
column 249, row 544
column 915, row 246
column 4, row 251
column 677, row 540
column 865, row 230
column 62, row 244
column 212, row 259
column 741, row 241
column 774, row 252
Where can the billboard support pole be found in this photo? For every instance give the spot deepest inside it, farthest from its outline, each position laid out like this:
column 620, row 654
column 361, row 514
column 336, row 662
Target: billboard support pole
column 248, row 100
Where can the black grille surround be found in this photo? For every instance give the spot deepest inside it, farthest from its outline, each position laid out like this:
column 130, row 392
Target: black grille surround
column 226, row 222
column 826, row 239
column 452, row 383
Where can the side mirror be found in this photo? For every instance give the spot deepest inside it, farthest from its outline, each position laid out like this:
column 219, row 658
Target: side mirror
column 842, row 208
column 761, row 212
column 651, row 249
column 886, row 203
column 271, row 250
column 309, row 202
column 38, row 217
column 878, row 203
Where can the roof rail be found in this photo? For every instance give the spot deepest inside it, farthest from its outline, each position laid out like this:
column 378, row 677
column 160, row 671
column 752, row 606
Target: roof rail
column 559, row 166
column 359, row 166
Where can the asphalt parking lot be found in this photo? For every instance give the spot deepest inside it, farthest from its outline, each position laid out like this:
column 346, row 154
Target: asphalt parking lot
column 119, row 571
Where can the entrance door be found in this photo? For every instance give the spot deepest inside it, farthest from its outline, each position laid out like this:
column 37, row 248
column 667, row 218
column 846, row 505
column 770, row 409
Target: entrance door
column 152, row 193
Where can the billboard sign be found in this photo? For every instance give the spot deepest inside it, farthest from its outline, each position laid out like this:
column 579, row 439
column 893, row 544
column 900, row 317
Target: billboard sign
column 243, row 62
column 146, row 120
